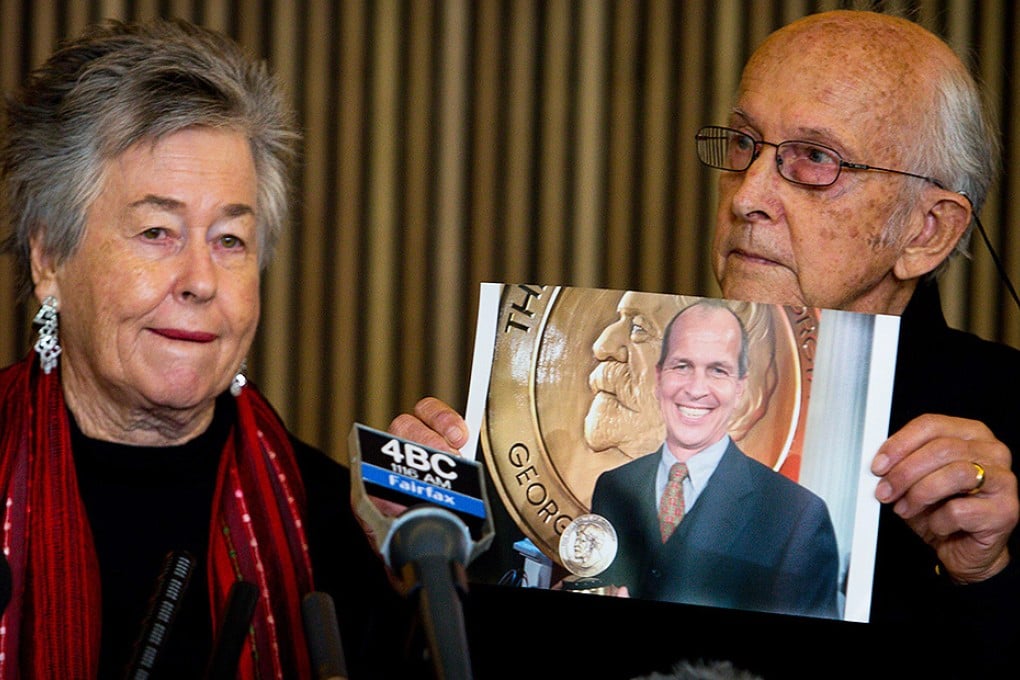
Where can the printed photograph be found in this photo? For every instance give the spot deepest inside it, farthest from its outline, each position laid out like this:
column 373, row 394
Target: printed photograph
column 714, row 451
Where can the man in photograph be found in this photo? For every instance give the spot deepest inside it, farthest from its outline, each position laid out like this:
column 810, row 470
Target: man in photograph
column 700, row 522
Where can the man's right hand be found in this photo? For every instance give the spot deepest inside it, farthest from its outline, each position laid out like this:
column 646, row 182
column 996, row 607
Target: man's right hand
column 434, row 423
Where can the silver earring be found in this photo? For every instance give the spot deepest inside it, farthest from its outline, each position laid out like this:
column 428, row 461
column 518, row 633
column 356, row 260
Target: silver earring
column 47, row 346
column 239, row 381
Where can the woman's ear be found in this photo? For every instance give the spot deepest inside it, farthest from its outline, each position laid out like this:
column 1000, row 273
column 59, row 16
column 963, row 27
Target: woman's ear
column 44, row 270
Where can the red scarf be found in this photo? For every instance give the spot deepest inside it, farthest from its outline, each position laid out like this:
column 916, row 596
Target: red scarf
column 51, row 628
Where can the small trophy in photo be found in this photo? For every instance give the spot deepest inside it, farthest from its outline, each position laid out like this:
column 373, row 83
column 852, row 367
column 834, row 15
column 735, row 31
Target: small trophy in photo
column 587, row 548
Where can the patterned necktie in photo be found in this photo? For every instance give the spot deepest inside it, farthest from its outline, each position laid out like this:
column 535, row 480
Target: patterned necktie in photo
column 671, row 509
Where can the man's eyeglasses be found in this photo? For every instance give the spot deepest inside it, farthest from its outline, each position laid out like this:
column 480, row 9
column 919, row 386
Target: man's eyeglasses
column 807, row 163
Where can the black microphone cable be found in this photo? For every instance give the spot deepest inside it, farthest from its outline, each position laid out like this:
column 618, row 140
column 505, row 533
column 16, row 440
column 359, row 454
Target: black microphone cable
column 998, row 263
column 995, row 256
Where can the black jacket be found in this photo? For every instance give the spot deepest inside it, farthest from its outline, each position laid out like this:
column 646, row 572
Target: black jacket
column 754, row 540
column 946, row 371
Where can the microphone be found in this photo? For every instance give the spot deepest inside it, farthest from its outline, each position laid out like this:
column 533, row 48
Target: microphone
column 6, row 583
column 240, row 609
column 323, row 632
column 445, row 525
column 163, row 607
column 428, row 546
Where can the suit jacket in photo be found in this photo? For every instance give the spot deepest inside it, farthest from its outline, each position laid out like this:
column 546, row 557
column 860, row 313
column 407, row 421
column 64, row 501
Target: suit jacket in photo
column 753, row 540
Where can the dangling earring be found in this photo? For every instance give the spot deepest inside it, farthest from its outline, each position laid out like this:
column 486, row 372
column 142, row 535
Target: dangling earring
column 47, row 346
column 239, row 381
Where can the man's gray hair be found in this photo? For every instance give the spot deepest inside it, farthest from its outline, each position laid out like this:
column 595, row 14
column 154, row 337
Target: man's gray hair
column 957, row 142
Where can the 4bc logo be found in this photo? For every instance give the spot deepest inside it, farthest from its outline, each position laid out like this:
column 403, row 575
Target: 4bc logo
column 417, row 462
column 392, row 469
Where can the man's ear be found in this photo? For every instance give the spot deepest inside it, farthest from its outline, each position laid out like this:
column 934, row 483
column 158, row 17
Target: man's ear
column 741, row 386
column 44, row 270
column 944, row 223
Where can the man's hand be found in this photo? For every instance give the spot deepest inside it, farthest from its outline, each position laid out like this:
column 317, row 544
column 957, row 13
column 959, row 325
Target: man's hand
column 434, row 424
column 931, row 471
column 431, row 418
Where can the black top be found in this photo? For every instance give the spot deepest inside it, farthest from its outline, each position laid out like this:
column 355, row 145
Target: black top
column 921, row 625
column 946, row 371
column 144, row 502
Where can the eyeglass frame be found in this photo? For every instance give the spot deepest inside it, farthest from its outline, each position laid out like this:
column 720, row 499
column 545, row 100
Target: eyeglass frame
column 756, row 152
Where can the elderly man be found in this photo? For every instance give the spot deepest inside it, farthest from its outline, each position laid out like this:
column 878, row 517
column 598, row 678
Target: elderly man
column 853, row 161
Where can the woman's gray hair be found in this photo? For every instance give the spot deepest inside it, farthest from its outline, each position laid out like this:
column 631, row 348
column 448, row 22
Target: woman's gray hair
column 119, row 84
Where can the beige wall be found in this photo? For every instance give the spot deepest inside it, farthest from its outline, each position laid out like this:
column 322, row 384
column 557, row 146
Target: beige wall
column 450, row 143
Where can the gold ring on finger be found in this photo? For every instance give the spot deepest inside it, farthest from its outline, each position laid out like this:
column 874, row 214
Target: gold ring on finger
column 979, row 480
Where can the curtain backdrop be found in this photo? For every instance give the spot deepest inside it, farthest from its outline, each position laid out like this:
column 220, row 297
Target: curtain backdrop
column 453, row 142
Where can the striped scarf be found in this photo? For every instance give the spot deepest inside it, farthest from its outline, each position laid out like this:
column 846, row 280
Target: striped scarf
column 51, row 628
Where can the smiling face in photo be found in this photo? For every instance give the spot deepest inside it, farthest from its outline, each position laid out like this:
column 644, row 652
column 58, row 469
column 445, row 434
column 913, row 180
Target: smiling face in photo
column 698, row 384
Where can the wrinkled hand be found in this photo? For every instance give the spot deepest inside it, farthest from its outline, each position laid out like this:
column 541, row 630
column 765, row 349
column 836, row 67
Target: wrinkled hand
column 927, row 471
column 434, row 423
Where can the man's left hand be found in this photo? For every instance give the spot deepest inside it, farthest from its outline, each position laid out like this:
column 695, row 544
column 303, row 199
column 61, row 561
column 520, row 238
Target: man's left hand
column 952, row 481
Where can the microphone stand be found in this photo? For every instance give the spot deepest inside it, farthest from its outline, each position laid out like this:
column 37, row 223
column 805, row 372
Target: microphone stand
column 428, row 546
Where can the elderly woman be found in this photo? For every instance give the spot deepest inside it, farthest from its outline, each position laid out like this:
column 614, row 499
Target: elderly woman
column 144, row 172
